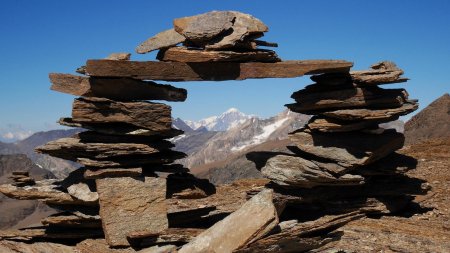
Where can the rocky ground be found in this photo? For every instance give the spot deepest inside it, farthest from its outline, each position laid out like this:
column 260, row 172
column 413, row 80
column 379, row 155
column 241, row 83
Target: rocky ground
column 427, row 231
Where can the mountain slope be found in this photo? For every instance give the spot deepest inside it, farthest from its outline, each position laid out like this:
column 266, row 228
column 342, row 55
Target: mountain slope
column 59, row 167
column 13, row 211
column 242, row 137
column 432, row 122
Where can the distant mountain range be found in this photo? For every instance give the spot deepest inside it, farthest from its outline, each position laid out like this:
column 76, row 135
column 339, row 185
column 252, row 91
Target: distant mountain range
column 227, row 120
column 240, row 132
column 59, row 167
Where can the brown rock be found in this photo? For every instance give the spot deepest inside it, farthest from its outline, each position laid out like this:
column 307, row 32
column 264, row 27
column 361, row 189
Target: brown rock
column 348, row 149
column 151, row 116
column 21, row 173
column 50, row 234
column 46, row 191
column 382, row 115
column 113, row 172
column 219, row 29
column 204, row 27
column 127, row 130
column 81, row 191
column 165, row 157
column 380, row 73
column 302, row 237
column 332, row 79
column 182, row 54
column 164, row 39
column 122, row 89
column 119, row 56
column 211, row 71
column 323, row 124
column 171, row 235
column 37, row 247
column 131, row 204
column 74, row 148
column 73, row 220
column 293, row 171
column 100, row 246
column 249, row 223
column 312, row 103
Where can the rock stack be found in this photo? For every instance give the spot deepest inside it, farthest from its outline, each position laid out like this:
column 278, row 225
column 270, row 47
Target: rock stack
column 343, row 160
column 129, row 192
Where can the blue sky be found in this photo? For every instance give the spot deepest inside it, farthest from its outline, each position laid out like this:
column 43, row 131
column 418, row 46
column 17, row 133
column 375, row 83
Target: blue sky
column 38, row 37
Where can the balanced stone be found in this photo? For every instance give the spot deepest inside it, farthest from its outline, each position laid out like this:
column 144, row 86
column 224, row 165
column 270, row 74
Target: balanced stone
column 121, row 129
column 348, row 149
column 219, row 29
column 158, row 158
column 131, row 204
column 122, row 89
column 388, row 114
column 164, row 39
column 211, row 71
column 293, row 171
column 92, row 173
column 147, row 115
column 182, row 54
column 324, row 124
column 74, row 148
column 380, row 73
column 312, row 103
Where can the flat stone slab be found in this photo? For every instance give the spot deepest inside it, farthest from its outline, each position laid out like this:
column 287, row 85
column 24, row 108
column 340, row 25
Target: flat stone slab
column 313, row 102
column 348, row 149
column 122, row 89
column 74, row 148
column 163, row 39
column 212, row 71
column 182, row 54
column 218, row 30
column 121, row 129
column 253, row 220
column 131, row 204
column 112, row 172
column 296, row 172
column 380, row 73
column 153, row 116
column 384, row 115
column 330, row 125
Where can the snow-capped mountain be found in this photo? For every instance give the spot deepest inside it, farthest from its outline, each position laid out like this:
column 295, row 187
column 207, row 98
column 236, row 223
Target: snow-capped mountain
column 227, row 120
column 243, row 135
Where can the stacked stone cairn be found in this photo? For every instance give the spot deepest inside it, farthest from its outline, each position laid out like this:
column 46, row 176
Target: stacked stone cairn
column 128, row 189
column 342, row 159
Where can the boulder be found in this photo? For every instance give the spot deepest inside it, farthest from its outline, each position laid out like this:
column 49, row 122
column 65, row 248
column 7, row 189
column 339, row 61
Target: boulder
column 131, row 204
column 253, row 220
column 164, row 39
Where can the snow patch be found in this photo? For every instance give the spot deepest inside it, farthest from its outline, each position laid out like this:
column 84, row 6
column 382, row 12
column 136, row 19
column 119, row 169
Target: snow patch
column 260, row 138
